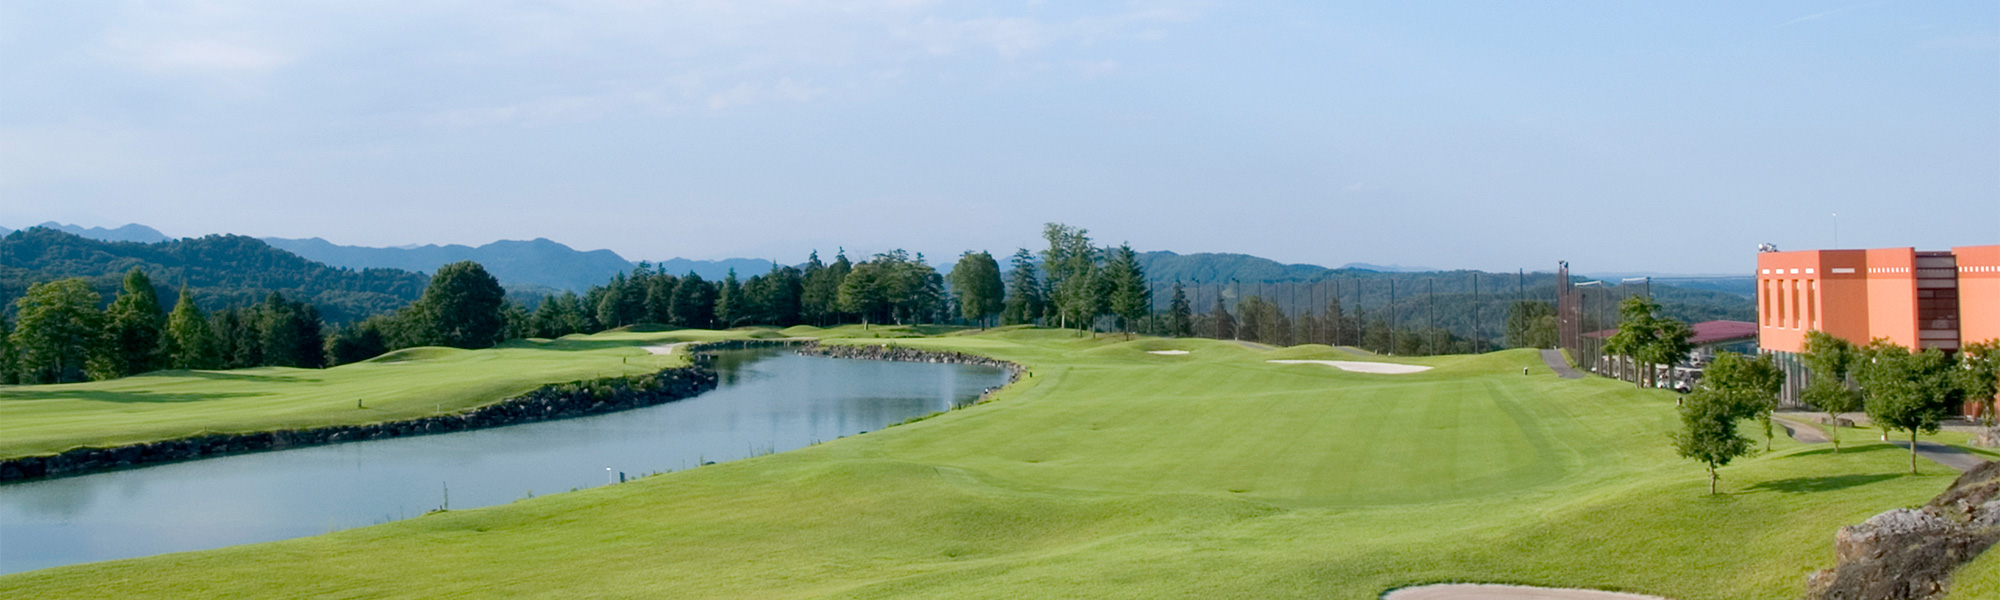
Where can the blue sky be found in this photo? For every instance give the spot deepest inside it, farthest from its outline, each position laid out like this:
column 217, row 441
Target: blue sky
column 1620, row 136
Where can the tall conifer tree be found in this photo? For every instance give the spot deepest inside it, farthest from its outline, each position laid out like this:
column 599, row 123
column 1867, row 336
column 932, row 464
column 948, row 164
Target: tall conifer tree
column 191, row 342
column 134, row 323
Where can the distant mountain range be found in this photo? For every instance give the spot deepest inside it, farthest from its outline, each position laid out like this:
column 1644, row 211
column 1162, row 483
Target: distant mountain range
column 518, row 264
column 535, row 262
column 130, row 233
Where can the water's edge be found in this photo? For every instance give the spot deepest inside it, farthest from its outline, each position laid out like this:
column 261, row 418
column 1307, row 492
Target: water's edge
column 546, row 403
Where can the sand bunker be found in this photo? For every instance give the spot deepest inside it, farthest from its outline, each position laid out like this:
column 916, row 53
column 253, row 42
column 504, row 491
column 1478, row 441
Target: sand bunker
column 665, row 348
column 1167, row 352
column 1358, row 366
column 1480, row 591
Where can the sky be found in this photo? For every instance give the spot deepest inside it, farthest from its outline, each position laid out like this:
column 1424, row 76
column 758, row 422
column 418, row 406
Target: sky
column 1664, row 137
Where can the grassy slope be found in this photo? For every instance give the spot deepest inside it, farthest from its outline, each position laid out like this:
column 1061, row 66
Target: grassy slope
column 1115, row 473
column 406, row 384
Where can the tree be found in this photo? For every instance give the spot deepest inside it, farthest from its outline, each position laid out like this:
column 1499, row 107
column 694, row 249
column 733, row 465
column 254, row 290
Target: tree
column 1531, row 324
column 1648, row 339
column 8, row 370
column 357, row 342
column 1830, row 358
column 1180, row 317
column 1025, row 298
column 729, row 302
column 1708, row 431
column 1130, row 299
column 1906, row 391
column 623, row 302
column 236, row 343
column 1225, row 325
column 1749, row 383
column 1071, row 264
column 1979, row 375
column 461, row 308
column 659, row 298
column 134, row 323
column 191, row 343
column 819, row 299
column 864, row 292
column 976, row 279
column 290, row 333
column 694, row 302
column 59, row 330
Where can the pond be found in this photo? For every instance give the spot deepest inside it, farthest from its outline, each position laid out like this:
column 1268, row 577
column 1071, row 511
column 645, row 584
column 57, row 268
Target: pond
column 768, row 401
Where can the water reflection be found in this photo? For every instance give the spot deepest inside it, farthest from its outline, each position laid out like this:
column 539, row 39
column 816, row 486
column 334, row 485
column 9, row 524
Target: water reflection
column 768, row 401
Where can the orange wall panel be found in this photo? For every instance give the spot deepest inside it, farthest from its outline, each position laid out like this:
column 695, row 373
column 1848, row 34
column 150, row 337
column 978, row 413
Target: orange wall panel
column 1978, row 293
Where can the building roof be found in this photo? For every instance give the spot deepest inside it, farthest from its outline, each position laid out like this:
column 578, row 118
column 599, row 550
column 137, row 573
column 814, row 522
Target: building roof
column 1705, row 332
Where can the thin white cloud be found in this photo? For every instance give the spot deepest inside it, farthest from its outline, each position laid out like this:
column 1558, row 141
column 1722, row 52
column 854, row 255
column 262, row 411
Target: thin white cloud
column 1822, row 15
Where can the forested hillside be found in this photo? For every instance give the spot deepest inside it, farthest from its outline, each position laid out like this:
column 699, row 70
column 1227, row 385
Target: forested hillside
column 222, row 271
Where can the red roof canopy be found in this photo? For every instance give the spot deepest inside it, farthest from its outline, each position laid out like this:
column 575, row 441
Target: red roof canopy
column 1705, row 332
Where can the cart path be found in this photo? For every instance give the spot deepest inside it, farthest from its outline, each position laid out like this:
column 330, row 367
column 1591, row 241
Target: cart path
column 1561, row 365
column 1951, row 456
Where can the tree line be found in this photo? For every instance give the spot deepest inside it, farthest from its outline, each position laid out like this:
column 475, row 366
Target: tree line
column 1072, row 283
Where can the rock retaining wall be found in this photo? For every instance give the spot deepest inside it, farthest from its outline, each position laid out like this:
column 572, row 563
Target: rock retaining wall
column 904, row 354
column 545, row 403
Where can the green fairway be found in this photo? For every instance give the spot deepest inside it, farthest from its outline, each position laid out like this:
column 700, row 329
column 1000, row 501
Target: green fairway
column 402, row 385
column 1113, row 472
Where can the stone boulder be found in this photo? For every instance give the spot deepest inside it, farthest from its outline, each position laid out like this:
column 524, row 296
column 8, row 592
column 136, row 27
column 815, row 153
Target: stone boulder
column 1910, row 554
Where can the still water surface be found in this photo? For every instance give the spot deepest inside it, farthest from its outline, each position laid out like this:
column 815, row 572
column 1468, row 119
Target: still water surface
column 769, row 400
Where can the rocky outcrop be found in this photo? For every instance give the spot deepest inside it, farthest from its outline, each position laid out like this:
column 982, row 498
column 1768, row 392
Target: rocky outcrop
column 544, row 403
column 1910, row 554
column 897, row 353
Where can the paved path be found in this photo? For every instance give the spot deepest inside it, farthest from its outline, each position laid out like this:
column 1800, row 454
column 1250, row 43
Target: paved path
column 1560, row 364
column 1951, row 456
column 1480, row 591
column 1803, row 432
column 1252, row 345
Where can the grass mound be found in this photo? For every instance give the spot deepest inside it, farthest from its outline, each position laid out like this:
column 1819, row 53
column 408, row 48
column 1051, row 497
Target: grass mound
column 416, row 354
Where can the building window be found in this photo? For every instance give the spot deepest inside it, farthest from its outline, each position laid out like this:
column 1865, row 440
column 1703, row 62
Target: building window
column 1812, row 311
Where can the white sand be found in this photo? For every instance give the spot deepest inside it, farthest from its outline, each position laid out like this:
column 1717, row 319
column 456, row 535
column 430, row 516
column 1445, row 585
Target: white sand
column 1480, row 591
column 1358, row 366
column 665, row 348
column 1167, row 352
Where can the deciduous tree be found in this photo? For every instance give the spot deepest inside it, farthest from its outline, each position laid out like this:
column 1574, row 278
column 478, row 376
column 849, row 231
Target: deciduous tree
column 1708, row 431
column 1531, row 324
column 59, row 330
column 461, row 308
column 1979, row 375
column 1906, row 391
column 1749, row 383
column 976, row 280
column 1830, row 358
